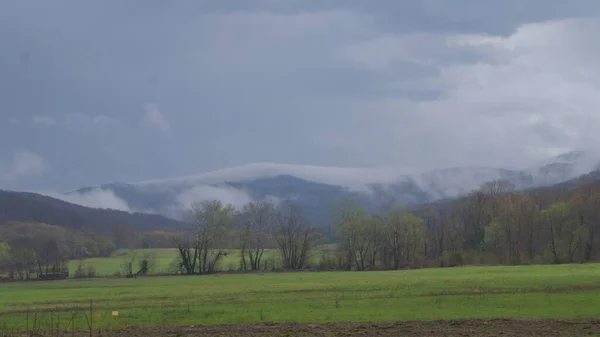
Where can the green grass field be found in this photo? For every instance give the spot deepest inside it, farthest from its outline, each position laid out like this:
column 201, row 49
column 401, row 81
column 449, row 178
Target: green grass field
column 165, row 258
column 113, row 265
column 565, row 291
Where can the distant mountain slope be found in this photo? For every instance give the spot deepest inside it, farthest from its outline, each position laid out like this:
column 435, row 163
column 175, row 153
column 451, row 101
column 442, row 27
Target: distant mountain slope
column 317, row 188
column 315, row 199
column 544, row 195
column 571, row 184
column 32, row 207
column 445, row 183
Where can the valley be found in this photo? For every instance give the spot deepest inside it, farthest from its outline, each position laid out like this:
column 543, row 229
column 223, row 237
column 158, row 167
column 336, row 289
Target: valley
column 299, row 168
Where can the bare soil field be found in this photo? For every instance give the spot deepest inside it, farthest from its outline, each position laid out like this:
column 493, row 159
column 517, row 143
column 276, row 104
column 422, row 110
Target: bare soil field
column 472, row 327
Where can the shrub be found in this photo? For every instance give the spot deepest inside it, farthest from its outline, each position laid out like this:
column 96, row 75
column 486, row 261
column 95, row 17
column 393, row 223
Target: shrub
column 84, row 270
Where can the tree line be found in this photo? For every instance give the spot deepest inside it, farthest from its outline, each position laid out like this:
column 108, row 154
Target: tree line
column 498, row 225
column 252, row 230
column 494, row 225
column 38, row 250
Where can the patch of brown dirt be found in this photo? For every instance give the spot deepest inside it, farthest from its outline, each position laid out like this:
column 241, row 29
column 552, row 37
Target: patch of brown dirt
column 474, row 327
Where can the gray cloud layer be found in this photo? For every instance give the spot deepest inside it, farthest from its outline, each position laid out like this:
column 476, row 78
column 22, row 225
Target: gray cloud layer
column 94, row 92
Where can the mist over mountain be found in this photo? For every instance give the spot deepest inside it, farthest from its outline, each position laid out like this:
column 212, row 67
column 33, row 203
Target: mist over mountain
column 315, row 189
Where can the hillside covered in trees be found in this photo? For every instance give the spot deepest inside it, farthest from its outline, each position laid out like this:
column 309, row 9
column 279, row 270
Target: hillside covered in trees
column 37, row 208
column 498, row 225
column 39, row 234
column 495, row 224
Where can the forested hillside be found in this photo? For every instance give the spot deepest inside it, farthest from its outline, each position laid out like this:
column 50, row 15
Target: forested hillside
column 498, row 225
column 32, row 207
column 495, row 224
column 39, row 234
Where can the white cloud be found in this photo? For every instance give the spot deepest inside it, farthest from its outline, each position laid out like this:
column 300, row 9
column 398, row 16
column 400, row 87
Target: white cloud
column 96, row 198
column 353, row 178
column 154, row 118
column 227, row 195
column 24, row 164
column 505, row 102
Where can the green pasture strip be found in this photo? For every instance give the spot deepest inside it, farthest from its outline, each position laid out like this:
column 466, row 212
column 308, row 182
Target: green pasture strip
column 165, row 258
column 577, row 305
column 565, row 291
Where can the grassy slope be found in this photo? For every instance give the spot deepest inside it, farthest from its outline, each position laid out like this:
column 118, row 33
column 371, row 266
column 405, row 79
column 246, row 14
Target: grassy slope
column 566, row 291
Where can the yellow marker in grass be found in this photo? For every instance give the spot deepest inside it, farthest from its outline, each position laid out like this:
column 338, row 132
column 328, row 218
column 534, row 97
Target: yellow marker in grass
column 115, row 313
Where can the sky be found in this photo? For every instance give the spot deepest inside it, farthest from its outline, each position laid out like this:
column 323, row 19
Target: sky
column 103, row 91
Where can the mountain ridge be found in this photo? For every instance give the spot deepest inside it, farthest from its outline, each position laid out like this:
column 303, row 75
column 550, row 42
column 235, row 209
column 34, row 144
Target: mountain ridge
column 37, row 208
column 315, row 198
column 316, row 188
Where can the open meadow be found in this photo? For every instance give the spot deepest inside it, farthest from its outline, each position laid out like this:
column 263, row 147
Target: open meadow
column 532, row 292
column 165, row 260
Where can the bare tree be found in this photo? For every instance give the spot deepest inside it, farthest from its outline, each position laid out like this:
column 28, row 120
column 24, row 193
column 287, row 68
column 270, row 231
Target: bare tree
column 295, row 237
column 200, row 249
column 258, row 222
column 146, row 263
column 564, row 232
column 518, row 216
column 404, row 237
column 212, row 223
column 23, row 258
column 497, row 187
column 188, row 248
column 585, row 203
column 51, row 258
column 361, row 241
column 127, row 264
column 5, row 256
column 347, row 211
